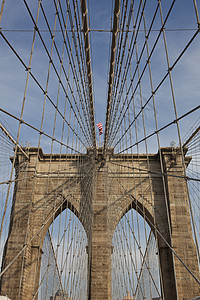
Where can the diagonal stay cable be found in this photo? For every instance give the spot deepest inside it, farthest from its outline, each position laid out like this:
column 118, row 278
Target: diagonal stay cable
column 142, row 255
column 89, row 69
column 156, row 89
column 119, row 62
column 72, row 62
column 41, row 228
column 125, row 73
column 112, row 62
column 43, row 90
column 39, row 131
column 82, row 65
column 157, row 231
column 160, row 129
column 127, row 65
column 81, row 124
column 156, row 172
column 131, row 49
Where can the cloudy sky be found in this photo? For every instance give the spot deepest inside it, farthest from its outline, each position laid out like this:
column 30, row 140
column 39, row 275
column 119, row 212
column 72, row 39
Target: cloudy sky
column 18, row 30
column 180, row 28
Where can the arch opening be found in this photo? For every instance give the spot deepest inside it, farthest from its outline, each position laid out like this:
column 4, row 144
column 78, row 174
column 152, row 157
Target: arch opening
column 135, row 265
column 64, row 262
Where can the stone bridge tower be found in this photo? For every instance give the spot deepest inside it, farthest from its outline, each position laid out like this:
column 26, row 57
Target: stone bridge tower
column 109, row 183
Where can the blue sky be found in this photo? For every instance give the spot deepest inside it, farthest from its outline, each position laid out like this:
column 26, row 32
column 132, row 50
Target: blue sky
column 185, row 75
column 180, row 28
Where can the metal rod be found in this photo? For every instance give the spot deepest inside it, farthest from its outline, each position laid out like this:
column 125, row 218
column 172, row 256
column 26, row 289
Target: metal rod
column 112, row 63
column 191, row 137
column 88, row 62
column 12, row 140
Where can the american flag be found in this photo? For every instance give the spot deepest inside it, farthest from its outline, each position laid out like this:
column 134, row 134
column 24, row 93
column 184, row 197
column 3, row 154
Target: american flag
column 99, row 125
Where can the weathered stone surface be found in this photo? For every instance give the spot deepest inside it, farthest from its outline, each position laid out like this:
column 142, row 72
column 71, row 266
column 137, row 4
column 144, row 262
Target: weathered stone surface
column 100, row 190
